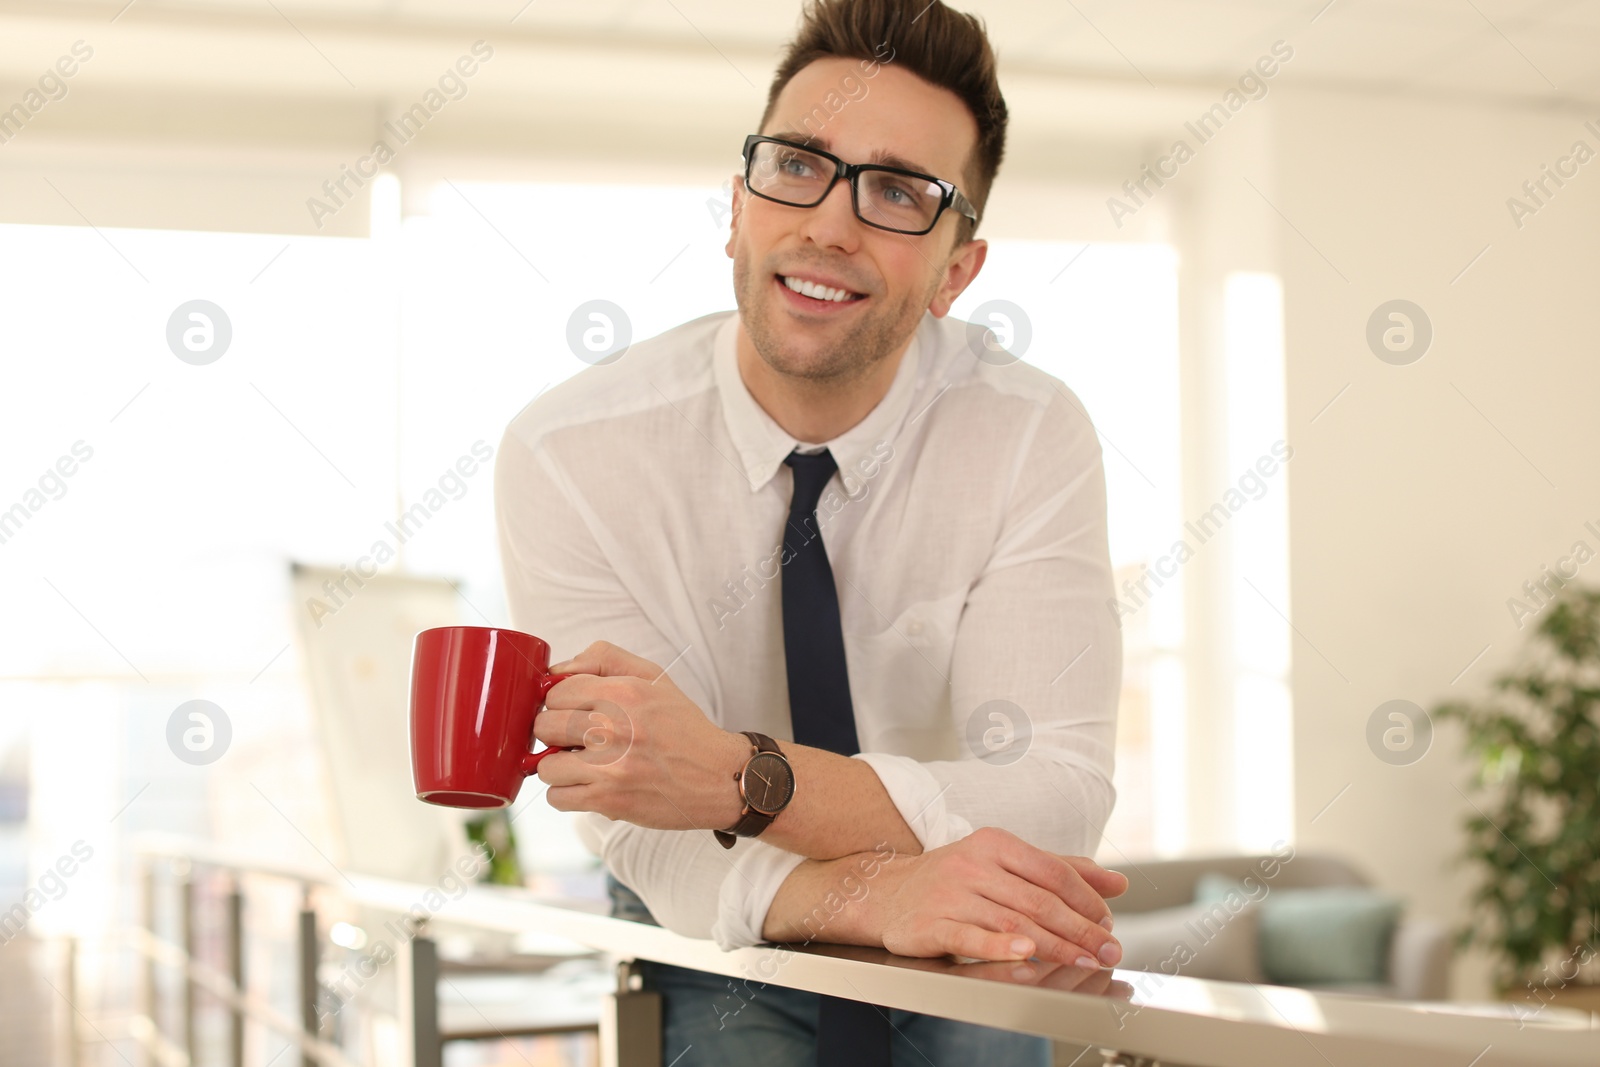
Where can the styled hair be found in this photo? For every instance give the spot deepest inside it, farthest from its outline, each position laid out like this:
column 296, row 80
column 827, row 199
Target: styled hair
column 943, row 47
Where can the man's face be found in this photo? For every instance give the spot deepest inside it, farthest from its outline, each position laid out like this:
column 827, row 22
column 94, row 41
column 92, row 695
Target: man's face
column 893, row 278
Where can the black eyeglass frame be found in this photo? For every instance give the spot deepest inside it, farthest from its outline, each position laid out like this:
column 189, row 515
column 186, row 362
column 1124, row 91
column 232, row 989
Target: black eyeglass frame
column 850, row 172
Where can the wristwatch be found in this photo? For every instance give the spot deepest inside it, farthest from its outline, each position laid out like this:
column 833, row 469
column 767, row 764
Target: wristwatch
column 766, row 784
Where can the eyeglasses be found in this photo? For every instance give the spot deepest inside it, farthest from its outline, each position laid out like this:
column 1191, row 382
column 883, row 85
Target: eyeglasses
column 901, row 201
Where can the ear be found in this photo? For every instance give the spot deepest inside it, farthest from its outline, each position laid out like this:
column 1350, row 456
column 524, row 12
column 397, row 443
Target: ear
column 965, row 263
column 737, row 185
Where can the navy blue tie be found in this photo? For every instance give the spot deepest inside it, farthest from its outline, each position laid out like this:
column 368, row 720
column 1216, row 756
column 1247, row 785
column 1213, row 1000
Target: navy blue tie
column 849, row 1033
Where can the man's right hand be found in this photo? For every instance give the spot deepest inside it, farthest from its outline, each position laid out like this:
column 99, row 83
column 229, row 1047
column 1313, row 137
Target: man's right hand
column 988, row 896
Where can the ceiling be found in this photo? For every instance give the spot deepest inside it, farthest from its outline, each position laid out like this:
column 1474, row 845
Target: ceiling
column 1520, row 49
column 233, row 96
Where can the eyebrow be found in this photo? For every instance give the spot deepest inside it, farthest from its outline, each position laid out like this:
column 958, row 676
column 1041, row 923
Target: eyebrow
column 887, row 159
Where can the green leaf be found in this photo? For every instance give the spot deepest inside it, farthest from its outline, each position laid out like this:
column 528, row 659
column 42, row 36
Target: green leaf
column 1535, row 758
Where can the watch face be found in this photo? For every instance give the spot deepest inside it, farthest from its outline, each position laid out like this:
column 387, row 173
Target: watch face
column 768, row 783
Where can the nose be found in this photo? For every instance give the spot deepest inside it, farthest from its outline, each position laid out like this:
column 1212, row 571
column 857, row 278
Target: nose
column 833, row 223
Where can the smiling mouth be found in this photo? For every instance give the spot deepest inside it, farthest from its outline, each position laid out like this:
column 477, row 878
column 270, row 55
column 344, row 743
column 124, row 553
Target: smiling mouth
column 821, row 293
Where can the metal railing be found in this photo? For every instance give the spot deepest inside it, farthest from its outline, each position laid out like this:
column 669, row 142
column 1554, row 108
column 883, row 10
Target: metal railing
column 1165, row 1019
column 181, row 860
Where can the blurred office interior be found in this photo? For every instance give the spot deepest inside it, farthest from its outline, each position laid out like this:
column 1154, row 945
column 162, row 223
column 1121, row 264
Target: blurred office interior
column 383, row 323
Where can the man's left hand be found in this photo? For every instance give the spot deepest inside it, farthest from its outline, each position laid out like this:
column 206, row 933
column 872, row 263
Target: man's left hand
column 642, row 751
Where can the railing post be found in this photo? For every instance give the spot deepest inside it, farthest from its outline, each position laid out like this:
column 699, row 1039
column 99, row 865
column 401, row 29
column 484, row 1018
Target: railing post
column 187, row 934
column 235, row 951
column 630, row 1022
column 151, row 993
column 309, row 956
column 417, row 971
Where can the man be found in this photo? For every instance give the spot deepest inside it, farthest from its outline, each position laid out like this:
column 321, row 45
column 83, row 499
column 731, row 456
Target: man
column 843, row 523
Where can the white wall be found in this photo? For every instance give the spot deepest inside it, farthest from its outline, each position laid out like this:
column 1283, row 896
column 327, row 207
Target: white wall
column 1413, row 516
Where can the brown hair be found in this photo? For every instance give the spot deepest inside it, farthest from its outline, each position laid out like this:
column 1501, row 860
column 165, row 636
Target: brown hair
column 942, row 47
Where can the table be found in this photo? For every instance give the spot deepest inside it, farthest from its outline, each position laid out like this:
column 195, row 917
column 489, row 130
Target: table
column 1147, row 1018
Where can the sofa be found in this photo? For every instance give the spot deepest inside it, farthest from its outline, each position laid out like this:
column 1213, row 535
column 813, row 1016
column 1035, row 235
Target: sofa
column 1416, row 962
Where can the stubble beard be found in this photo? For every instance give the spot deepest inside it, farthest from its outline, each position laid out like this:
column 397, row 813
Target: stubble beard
column 874, row 336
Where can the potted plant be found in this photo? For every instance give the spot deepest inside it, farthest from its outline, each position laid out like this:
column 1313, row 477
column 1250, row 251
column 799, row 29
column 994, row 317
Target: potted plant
column 1534, row 829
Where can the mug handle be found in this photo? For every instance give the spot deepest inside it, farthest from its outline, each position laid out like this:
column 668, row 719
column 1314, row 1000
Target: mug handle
column 530, row 760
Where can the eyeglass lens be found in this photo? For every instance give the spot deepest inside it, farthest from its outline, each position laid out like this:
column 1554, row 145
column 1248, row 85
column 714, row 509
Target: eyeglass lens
column 801, row 178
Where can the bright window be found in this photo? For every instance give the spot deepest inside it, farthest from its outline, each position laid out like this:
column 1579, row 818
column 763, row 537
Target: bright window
column 356, row 372
column 1103, row 319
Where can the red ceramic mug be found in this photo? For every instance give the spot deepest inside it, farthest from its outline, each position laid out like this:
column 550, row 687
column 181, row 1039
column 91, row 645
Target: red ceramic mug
column 474, row 693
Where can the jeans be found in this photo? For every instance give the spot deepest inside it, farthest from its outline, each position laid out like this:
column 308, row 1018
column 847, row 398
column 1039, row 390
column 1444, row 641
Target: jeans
column 708, row 1020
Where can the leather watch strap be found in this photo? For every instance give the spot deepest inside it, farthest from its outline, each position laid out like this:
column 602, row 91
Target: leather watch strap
column 751, row 824
column 753, row 821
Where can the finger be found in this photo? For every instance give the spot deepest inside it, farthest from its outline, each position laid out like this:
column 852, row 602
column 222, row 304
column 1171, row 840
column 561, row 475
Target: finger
column 561, row 770
column 1106, row 882
column 1048, row 945
column 589, row 692
column 569, row 797
column 560, row 727
column 1056, row 874
column 607, row 660
column 975, row 942
column 589, row 656
column 1054, row 915
column 598, row 736
column 1098, row 879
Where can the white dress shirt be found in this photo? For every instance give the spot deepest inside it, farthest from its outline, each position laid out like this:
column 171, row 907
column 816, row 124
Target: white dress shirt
column 643, row 503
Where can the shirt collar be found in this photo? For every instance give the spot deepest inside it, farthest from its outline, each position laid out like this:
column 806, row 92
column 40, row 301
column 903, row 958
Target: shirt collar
column 762, row 444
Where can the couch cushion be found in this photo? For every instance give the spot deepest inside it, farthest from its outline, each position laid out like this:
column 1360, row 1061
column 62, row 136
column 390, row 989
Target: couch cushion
column 1195, row 940
column 1168, row 883
column 1336, row 934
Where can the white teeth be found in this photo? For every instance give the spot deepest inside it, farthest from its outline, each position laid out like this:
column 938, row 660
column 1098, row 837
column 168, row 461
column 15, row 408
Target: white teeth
column 819, row 292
